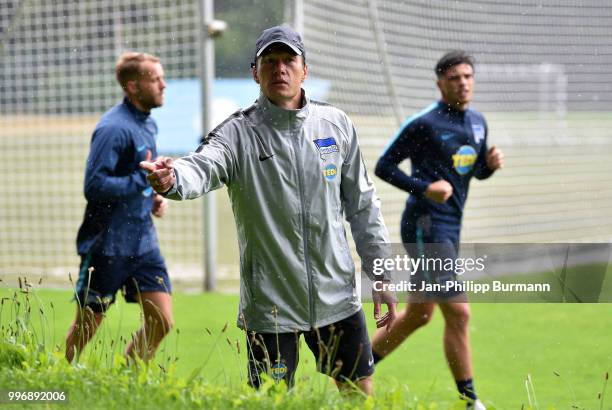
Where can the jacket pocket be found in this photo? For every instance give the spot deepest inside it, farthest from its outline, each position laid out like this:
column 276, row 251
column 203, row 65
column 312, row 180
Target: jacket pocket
column 342, row 249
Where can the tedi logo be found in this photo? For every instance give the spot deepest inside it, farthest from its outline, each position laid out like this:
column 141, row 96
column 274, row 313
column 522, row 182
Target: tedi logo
column 279, row 371
column 464, row 159
column 330, row 172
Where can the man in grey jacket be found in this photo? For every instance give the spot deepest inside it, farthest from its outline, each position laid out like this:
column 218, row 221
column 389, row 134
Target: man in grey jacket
column 292, row 167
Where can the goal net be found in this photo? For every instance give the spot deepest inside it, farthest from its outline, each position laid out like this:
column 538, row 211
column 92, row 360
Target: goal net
column 542, row 81
column 56, row 79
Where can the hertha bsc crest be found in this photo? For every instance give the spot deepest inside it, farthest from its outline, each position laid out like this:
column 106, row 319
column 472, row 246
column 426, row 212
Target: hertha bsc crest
column 326, row 146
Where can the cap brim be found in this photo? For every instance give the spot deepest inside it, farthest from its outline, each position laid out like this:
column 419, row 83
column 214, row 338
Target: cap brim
column 291, row 46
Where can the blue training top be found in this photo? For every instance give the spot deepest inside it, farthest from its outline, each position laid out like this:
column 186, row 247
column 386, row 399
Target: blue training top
column 117, row 220
column 442, row 143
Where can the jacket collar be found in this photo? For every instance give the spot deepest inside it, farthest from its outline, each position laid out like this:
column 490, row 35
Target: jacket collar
column 281, row 118
column 139, row 115
column 450, row 109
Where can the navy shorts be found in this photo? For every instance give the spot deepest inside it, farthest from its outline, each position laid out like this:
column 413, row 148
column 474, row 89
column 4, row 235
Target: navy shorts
column 342, row 351
column 424, row 237
column 131, row 274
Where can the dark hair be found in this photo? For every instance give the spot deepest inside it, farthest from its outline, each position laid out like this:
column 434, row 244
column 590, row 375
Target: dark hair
column 451, row 59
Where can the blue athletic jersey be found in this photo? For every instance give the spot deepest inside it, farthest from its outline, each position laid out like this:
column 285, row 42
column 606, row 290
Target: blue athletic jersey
column 117, row 220
column 442, row 143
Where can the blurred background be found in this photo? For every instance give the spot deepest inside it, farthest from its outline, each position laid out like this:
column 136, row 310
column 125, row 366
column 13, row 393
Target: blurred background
column 543, row 82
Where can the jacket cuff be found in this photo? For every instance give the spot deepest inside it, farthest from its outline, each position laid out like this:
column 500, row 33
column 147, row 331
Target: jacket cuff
column 419, row 187
column 173, row 193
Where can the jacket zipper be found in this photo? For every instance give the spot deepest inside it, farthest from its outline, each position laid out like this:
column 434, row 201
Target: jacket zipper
column 311, row 306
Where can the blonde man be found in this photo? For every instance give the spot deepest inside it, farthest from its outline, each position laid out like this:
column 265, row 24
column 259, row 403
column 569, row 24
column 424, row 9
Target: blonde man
column 117, row 241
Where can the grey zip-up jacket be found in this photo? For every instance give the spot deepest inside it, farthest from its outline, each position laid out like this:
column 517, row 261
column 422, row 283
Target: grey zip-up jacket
column 291, row 174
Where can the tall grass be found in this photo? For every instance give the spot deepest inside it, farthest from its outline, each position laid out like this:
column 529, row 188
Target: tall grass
column 29, row 360
column 101, row 378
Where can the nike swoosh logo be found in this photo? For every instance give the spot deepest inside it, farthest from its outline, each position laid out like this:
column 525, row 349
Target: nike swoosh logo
column 140, row 148
column 371, row 361
column 265, row 157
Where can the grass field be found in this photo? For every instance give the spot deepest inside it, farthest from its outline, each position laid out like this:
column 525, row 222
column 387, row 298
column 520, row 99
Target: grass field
column 564, row 349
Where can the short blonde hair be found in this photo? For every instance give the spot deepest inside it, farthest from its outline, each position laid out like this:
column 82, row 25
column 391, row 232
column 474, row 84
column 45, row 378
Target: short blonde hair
column 128, row 66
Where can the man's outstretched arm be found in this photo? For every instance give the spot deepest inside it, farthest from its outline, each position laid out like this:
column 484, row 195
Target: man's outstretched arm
column 191, row 176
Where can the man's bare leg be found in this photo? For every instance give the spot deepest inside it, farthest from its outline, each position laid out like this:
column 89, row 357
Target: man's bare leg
column 365, row 385
column 158, row 321
column 80, row 332
column 457, row 339
column 414, row 316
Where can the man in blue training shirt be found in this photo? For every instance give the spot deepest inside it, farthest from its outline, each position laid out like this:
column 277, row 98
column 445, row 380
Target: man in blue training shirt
column 446, row 144
column 117, row 241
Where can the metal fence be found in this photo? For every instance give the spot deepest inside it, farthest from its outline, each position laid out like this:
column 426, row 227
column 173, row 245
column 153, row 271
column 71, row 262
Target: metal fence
column 543, row 82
